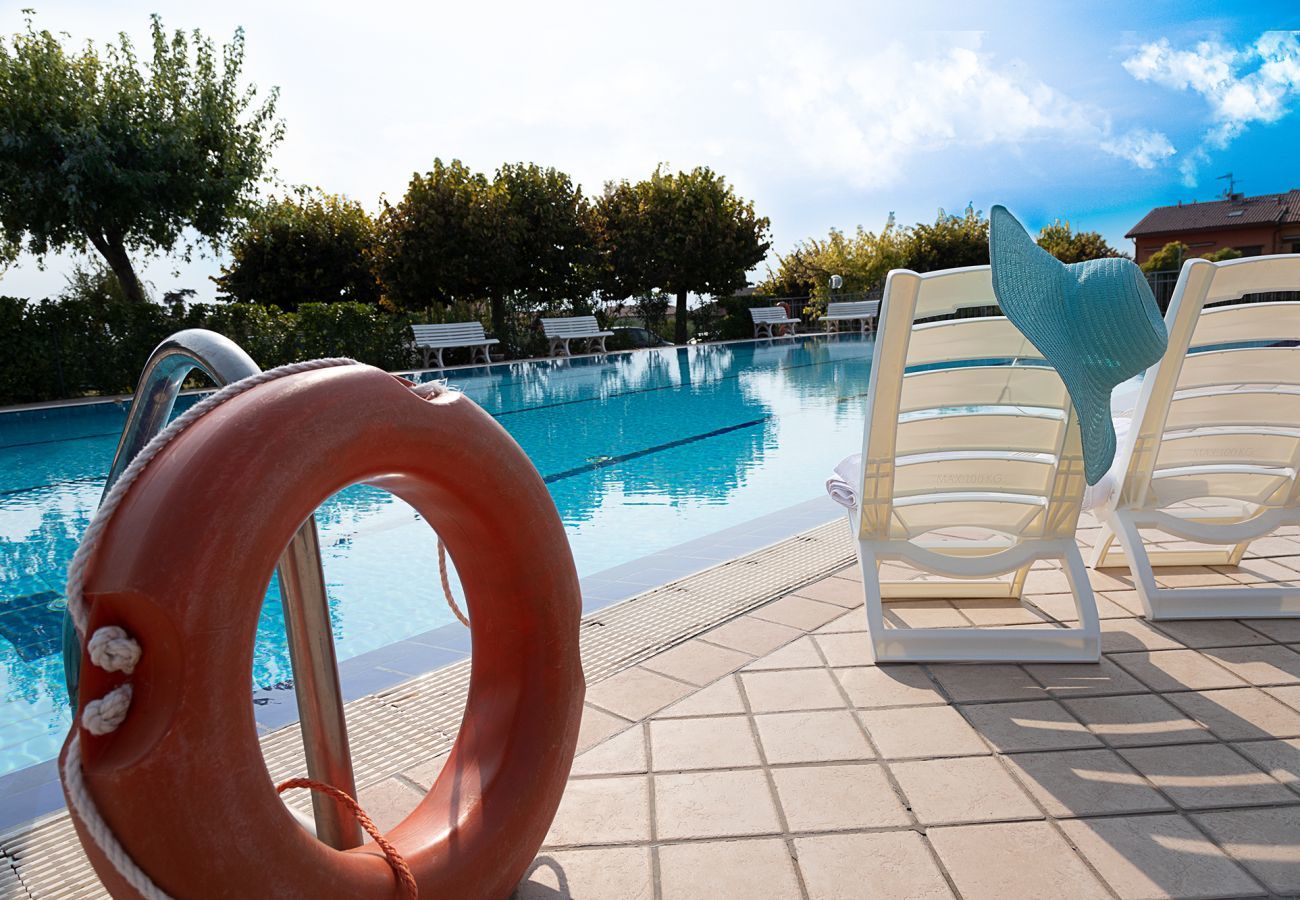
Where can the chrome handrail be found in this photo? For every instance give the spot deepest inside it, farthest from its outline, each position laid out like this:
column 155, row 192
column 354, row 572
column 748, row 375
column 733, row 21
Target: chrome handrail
column 302, row 580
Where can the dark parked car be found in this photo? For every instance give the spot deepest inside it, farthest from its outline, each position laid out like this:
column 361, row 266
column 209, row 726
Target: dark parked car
column 625, row 337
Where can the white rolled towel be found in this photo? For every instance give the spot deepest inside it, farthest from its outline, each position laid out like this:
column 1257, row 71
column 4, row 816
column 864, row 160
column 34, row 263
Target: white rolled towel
column 843, row 484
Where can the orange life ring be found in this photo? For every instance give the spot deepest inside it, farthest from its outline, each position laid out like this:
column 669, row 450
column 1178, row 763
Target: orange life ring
column 183, row 565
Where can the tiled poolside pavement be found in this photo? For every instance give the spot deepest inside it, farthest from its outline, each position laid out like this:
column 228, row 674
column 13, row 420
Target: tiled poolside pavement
column 768, row 758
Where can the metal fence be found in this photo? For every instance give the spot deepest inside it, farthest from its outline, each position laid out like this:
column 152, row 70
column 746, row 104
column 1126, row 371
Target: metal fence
column 1162, row 285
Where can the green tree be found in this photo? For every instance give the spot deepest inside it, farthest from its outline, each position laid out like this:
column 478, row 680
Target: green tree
column 545, row 251
column 1222, row 254
column 681, row 233
column 309, row 247
column 951, row 242
column 1074, row 246
column 123, row 154
column 1168, row 258
column 435, row 244
column 862, row 259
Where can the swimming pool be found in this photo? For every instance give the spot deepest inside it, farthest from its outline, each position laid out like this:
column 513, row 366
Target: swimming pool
column 641, row 452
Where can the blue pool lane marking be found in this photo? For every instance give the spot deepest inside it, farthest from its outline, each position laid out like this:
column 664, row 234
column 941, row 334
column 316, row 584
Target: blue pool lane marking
column 607, row 461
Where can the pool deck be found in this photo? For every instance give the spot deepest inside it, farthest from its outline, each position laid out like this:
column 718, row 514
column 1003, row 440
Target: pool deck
column 763, row 755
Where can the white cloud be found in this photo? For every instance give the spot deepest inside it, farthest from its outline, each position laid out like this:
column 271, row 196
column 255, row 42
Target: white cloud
column 1140, row 146
column 1256, row 83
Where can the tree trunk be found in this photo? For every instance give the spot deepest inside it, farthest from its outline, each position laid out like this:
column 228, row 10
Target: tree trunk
column 114, row 253
column 679, row 328
column 499, row 330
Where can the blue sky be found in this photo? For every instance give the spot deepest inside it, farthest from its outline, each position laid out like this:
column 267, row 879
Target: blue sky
column 825, row 114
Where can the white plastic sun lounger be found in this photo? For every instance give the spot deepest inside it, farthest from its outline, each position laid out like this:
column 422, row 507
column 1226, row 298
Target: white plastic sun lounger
column 971, row 471
column 440, row 337
column 863, row 312
column 1212, row 455
column 768, row 318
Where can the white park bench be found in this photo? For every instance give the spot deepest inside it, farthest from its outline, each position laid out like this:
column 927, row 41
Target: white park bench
column 560, row 331
column 863, row 312
column 437, row 338
column 766, row 318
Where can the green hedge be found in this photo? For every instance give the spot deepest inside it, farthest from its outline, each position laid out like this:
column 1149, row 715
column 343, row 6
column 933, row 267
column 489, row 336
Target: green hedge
column 57, row 349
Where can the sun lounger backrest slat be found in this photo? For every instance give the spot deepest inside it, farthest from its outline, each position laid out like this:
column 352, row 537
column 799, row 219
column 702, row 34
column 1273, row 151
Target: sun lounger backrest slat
column 1242, row 365
column 964, row 339
column 1228, row 445
column 1254, row 275
column 1263, row 408
column 983, row 386
column 1247, row 322
column 958, row 289
column 992, row 431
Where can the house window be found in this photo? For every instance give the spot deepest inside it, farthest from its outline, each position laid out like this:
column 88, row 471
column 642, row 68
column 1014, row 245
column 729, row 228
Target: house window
column 1295, row 247
column 1256, row 250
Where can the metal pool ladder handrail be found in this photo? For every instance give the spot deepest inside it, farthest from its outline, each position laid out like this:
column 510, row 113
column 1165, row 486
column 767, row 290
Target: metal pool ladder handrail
column 302, row 580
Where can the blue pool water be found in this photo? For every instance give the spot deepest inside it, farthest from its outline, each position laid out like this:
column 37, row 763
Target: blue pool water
column 641, row 451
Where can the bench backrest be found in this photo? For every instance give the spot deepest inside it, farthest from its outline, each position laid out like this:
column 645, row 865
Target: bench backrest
column 768, row 313
column 571, row 326
column 448, row 333
column 858, row 308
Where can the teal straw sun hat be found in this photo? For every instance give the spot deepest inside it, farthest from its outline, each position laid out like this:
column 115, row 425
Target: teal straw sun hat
column 1095, row 322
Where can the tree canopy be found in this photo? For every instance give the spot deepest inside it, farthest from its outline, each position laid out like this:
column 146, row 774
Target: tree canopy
column 1074, row 246
column 680, row 233
column 309, row 247
column 124, row 154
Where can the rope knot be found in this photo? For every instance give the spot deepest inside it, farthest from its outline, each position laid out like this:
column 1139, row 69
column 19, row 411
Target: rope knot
column 105, row 714
column 113, row 650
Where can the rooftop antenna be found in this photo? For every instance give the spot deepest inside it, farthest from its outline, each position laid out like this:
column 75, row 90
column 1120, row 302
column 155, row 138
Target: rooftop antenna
column 1232, row 185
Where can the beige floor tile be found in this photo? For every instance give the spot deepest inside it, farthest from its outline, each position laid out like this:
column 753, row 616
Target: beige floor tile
column 1191, row 576
column 798, row 612
column 1199, row 776
column 924, row 614
column 1266, row 841
column 595, row 874
column 602, row 811
column 1136, row 720
column 716, row 742
column 697, row 662
column 843, row 592
column 998, row 612
column 714, row 804
column 1015, row 861
column 801, row 737
column 750, row 635
column 884, row 686
column 1259, row 571
column 1240, row 714
column 1062, row 607
column 800, row 654
column 792, row 690
column 1212, row 633
column 1123, row 635
column 1278, row 629
column 1064, row 680
column 895, row 864
column 959, row 791
column 1108, row 580
column 623, row 754
column 1281, row 759
column 1146, row 857
column 389, row 801
column 1288, row 694
column 850, row 649
column 1260, row 665
column 1129, row 601
column 635, row 693
column 1176, row 670
column 727, row 870
column 1274, row 545
column 598, row 725
column 426, row 773
column 1084, row 782
column 833, row 798
column 853, row 620
column 973, row 683
column 719, row 698
column 1032, row 725
column 922, row 732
